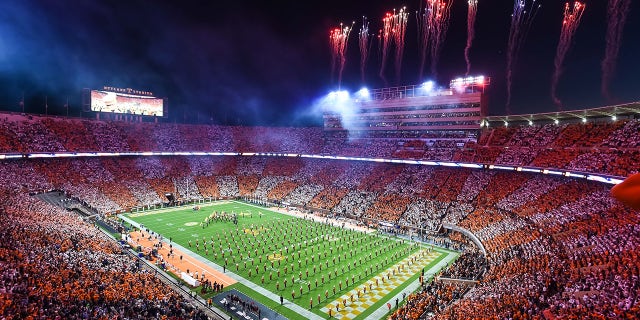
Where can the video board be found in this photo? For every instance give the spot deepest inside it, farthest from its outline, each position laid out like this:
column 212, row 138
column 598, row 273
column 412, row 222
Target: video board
column 119, row 102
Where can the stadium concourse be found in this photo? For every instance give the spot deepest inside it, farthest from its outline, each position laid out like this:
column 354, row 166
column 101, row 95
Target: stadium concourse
column 556, row 246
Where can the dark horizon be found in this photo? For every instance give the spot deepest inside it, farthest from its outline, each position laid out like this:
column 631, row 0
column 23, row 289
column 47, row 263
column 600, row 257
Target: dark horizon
column 256, row 63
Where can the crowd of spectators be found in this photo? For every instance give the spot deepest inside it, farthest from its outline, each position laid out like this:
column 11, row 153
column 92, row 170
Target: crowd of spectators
column 187, row 187
column 387, row 207
column 410, row 180
column 625, row 137
column 563, row 146
column 281, row 190
column 265, row 185
column 355, row 203
column 424, row 214
column 56, row 266
column 430, row 300
column 559, row 262
column 227, row 186
column 208, row 186
column 469, row 266
column 475, row 182
column 328, row 198
column 532, row 189
column 555, row 246
column 303, row 194
column 491, row 205
column 249, row 166
column 247, row 184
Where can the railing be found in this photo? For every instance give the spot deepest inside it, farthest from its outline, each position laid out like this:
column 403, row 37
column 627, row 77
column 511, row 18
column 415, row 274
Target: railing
column 468, row 234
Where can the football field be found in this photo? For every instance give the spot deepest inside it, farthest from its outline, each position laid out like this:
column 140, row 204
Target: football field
column 316, row 265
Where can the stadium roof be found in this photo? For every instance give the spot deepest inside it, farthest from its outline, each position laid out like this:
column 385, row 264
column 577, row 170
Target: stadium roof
column 622, row 110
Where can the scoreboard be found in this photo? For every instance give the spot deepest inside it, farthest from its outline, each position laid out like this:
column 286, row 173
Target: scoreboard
column 127, row 101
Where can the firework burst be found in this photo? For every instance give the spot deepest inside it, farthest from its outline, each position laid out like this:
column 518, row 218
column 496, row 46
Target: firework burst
column 571, row 19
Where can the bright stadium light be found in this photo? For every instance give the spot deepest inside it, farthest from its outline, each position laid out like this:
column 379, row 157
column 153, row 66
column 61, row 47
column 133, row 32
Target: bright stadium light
column 457, row 84
column 363, row 94
column 340, row 95
column 427, row 87
column 461, row 84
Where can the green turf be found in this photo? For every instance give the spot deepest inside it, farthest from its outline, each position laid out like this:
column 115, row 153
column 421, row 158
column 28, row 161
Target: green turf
column 279, row 248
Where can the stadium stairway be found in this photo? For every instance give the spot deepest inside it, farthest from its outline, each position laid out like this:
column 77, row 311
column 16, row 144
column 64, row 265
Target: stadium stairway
column 58, row 199
column 54, row 198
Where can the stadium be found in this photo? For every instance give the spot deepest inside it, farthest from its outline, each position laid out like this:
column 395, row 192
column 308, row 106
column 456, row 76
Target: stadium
column 523, row 213
column 405, row 202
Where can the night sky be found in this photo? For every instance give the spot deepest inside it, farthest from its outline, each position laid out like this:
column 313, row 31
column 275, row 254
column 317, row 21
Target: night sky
column 267, row 62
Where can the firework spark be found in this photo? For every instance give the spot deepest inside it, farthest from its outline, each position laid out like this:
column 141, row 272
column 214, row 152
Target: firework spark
column 365, row 45
column 338, row 40
column 471, row 21
column 399, row 30
column 521, row 19
column 570, row 22
column 385, row 37
column 394, row 26
column 616, row 16
column 433, row 24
